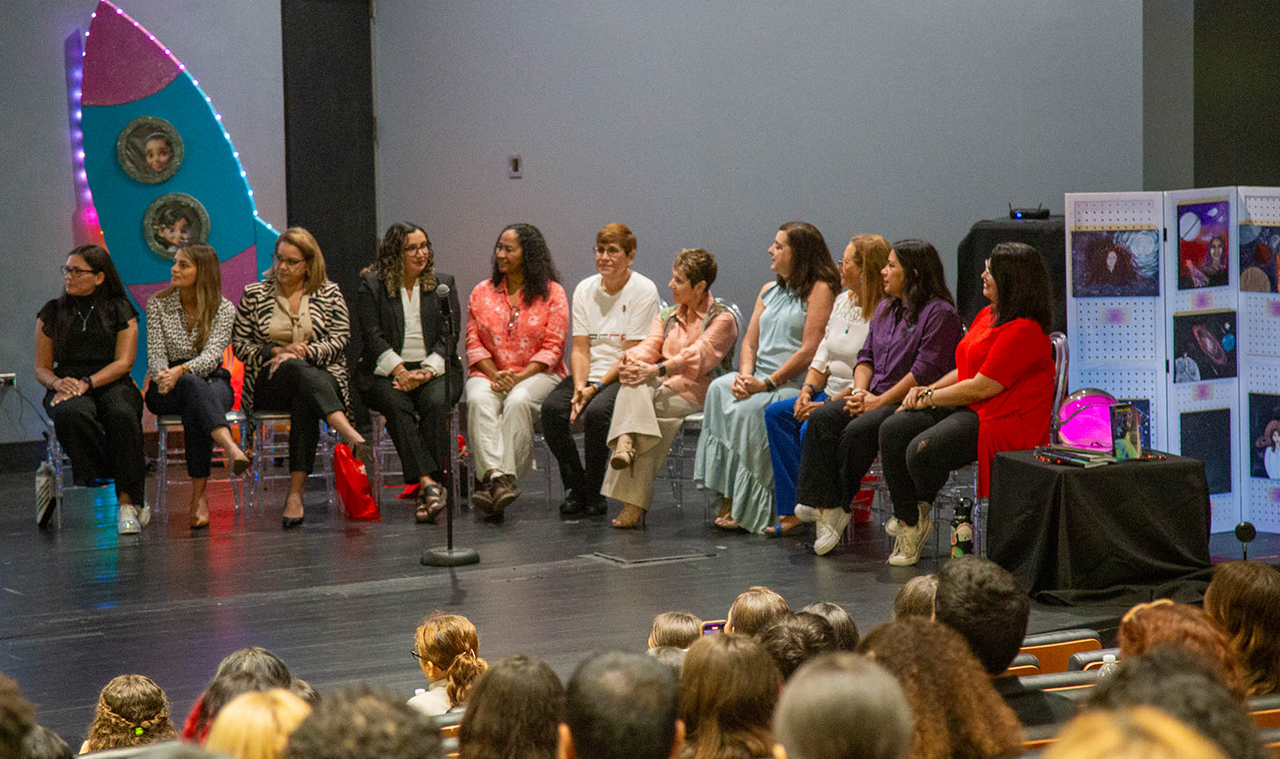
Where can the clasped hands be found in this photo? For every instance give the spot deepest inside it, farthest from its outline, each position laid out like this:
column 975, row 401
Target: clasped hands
column 68, row 387
column 410, row 379
column 917, row 398
column 285, row 353
column 861, row 401
column 633, row 371
column 744, row 386
column 503, row 381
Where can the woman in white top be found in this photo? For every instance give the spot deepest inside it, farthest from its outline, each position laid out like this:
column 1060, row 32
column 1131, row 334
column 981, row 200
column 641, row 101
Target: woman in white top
column 830, row 376
column 188, row 330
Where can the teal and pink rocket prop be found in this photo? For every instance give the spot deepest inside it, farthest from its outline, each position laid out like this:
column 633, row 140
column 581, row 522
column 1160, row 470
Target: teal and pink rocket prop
column 160, row 166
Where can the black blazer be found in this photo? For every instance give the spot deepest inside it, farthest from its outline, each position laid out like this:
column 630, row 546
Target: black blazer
column 381, row 320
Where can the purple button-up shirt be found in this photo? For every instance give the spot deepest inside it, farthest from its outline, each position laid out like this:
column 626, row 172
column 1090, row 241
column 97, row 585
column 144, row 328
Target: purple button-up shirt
column 926, row 349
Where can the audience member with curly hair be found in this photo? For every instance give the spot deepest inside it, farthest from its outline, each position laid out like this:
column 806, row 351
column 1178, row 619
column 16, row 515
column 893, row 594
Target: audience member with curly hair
column 1244, row 598
column 363, row 723
column 132, row 711
column 675, row 628
column 797, row 638
column 842, row 706
column 620, row 705
column 956, row 712
column 446, row 647
column 1148, row 625
column 256, row 725
column 1137, row 733
column 514, row 712
column 728, row 688
column 847, row 636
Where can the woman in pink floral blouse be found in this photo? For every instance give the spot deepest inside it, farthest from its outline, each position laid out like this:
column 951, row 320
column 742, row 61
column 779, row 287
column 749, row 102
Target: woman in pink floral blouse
column 516, row 325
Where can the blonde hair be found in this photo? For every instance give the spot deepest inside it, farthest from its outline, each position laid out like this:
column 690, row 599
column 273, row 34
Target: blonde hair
column 132, row 711
column 208, row 287
column 872, row 252
column 1140, row 732
column 306, row 244
column 450, row 643
column 257, row 724
column 675, row 628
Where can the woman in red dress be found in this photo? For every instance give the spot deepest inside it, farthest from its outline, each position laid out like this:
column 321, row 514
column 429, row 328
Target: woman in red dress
column 998, row 398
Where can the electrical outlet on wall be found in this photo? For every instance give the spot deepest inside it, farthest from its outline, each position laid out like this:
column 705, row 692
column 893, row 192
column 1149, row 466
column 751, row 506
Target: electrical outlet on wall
column 8, row 379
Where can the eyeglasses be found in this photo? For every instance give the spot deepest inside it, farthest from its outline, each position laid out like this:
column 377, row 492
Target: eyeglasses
column 282, row 261
column 414, row 653
column 410, row 249
column 73, row 271
column 613, row 251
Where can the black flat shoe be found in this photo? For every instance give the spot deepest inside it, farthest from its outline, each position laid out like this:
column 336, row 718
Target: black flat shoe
column 570, row 507
column 597, row 507
column 289, row 523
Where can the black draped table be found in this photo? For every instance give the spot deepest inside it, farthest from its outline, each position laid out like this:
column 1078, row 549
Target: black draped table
column 1119, row 533
column 1045, row 235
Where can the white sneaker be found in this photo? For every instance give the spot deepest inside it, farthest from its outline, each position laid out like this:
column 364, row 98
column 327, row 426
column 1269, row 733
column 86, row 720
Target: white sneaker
column 127, row 521
column 806, row 513
column 893, row 527
column 906, row 550
column 144, row 516
column 831, row 525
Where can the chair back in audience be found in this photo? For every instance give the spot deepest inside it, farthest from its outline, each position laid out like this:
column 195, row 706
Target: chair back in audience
column 1265, row 710
column 1061, row 360
column 1023, row 665
column 1082, row 660
column 1270, row 737
column 1054, row 649
column 131, row 752
column 1073, row 685
column 1039, row 737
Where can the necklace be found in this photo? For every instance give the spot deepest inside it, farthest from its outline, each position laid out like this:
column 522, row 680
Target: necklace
column 84, row 318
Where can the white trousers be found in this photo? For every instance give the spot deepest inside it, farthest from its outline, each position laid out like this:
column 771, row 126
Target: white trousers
column 652, row 414
column 500, row 425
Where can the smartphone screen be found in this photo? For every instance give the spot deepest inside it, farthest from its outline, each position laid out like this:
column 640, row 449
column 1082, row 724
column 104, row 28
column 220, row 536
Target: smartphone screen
column 711, row 628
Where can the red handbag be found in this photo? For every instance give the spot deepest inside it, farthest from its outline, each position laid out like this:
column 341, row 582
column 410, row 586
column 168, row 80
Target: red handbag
column 353, row 486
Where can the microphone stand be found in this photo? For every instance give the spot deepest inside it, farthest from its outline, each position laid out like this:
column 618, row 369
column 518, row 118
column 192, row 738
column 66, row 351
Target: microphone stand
column 448, row 556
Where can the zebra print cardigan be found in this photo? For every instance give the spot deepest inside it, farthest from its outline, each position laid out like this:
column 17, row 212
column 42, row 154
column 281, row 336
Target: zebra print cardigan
column 328, row 350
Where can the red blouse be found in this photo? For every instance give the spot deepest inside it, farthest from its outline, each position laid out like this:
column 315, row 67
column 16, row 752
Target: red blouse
column 1018, row 355
column 516, row 337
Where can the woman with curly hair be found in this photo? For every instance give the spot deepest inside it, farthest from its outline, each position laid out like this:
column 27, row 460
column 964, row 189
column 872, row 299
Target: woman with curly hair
column 257, row 725
column 956, row 712
column 514, row 712
column 446, row 646
column 1244, row 598
column 407, row 353
column 516, row 325
column 1162, row 621
column 728, row 688
column 132, row 711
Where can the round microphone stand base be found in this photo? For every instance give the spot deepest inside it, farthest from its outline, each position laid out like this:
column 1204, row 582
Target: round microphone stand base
column 450, row 557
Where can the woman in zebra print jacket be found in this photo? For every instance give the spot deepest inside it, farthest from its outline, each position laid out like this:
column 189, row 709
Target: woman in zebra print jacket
column 291, row 332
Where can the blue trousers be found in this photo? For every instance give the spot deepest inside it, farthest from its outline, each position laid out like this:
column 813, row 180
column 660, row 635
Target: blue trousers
column 785, row 434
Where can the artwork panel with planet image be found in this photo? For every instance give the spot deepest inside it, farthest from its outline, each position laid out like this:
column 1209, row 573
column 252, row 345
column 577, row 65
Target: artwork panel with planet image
column 1264, row 434
column 1204, row 345
column 149, row 149
column 1259, row 272
column 1206, row 436
column 174, row 220
column 1203, row 258
column 1116, row 263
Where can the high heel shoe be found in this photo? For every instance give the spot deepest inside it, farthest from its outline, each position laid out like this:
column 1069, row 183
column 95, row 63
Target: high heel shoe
column 289, row 523
column 624, row 453
column 240, row 466
column 630, row 517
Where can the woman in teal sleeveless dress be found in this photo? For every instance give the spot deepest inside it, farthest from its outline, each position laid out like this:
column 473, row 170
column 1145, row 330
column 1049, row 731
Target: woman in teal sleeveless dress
column 786, row 326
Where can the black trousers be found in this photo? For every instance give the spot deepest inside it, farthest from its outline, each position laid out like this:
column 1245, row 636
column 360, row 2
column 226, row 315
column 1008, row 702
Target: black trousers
column 309, row 394
column 418, row 422
column 583, row 481
column 838, row 450
column 918, row 451
column 101, row 432
column 203, row 404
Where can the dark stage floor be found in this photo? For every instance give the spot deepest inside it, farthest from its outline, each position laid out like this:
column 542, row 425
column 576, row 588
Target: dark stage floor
column 339, row 600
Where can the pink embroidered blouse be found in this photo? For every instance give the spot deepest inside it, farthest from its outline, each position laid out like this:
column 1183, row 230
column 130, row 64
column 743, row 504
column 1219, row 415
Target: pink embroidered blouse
column 690, row 352
column 514, row 337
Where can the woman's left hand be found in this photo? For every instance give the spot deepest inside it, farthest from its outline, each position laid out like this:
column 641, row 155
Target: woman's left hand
column 167, row 378
column 914, row 399
column 635, row 372
column 410, row 380
column 746, row 386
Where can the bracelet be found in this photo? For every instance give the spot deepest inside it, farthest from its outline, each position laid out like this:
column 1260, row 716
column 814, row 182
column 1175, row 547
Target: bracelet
column 769, row 384
column 809, row 385
column 598, row 386
column 928, row 396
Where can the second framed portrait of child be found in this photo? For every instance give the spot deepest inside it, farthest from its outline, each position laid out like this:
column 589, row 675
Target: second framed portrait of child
column 149, row 149
column 174, row 220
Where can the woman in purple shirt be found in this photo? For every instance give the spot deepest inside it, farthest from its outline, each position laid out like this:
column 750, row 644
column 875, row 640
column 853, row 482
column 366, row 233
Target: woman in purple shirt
column 912, row 342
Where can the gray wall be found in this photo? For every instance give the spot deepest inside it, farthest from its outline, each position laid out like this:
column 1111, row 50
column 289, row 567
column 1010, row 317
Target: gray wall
column 232, row 47
column 710, row 123
column 1168, row 103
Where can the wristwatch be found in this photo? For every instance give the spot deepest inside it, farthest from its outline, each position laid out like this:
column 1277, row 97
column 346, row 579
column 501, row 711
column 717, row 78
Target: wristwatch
column 662, row 368
column 769, row 384
column 928, row 396
column 88, row 380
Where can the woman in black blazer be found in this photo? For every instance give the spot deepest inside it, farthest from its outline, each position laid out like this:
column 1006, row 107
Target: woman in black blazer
column 403, row 365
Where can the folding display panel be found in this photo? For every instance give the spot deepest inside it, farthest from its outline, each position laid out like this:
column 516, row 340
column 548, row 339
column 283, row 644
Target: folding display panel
column 1258, row 306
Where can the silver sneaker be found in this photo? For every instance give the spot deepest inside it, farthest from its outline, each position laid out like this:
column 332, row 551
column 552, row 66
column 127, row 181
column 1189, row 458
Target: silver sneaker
column 144, row 516
column 127, row 523
column 893, row 527
column 831, row 525
column 906, row 549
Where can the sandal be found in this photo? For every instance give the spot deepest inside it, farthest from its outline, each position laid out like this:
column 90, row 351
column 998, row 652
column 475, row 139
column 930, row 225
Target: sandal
column 779, row 531
column 728, row 524
column 432, row 500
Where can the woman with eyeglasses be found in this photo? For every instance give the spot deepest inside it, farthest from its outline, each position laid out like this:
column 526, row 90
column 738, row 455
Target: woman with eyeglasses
column 407, row 352
column 612, row 311
column 188, row 330
column 516, row 325
column 291, row 332
column 86, row 342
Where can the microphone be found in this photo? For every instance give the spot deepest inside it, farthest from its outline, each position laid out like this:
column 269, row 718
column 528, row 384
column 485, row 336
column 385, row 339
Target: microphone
column 442, row 292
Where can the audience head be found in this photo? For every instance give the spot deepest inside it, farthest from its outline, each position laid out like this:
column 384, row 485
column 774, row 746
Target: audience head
column 914, row 274
column 362, row 723
column 1140, row 732
column 1244, row 598
column 728, row 689
column 515, row 710
column 522, row 249
column 669, row 656
column 389, row 261
column 620, row 705
column 804, row 260
column 697, row 267
column 257, row 725
column 870, row 254
column 446, row 647
column 1148, row 625
column 795, row 639
column 303, row 690
column 618, row 236
column 17, row 718
column 1186, row 686
column 675, row 628
column 1022, row 288
column 43, row 743
column 755, row 609
column 956, row 712
column 915, row 597
column 297, row 244
column 220, row 692
column 131, row 711
column 846, row 630
column 259, row 661
column 984, row 603
column 842, row 706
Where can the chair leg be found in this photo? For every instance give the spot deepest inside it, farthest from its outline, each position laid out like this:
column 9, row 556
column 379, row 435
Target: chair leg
column 162, row 472
column 379, row 459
